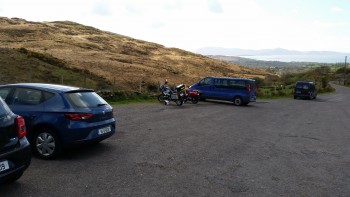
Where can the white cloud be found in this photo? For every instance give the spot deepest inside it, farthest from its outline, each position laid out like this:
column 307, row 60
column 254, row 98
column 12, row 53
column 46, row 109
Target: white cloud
column 214, row 6
column 192, row 24
column 336, row 9
column 330, row 24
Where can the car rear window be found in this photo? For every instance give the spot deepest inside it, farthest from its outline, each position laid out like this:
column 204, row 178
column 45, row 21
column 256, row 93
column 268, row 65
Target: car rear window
column 304, row 86
column 85, row 99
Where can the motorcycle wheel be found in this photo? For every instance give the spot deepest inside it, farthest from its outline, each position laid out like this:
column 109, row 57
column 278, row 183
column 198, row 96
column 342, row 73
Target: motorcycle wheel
column 194, row 100
column 161, row 98
column 179, row 102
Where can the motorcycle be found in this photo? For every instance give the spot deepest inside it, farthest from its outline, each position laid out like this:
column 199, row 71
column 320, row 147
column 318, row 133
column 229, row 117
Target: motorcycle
column 180, row 96
column 192, row 96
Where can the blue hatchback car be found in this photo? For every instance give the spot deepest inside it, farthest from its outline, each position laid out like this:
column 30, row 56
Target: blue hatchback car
column 59, row 116
column 238, row 90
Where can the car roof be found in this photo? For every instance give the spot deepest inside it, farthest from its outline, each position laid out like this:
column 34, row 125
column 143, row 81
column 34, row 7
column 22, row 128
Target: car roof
column 309, row 82
column 231, row 78
column 45, row 86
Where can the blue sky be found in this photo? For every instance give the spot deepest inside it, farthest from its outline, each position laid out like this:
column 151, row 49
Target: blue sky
column 192, row 24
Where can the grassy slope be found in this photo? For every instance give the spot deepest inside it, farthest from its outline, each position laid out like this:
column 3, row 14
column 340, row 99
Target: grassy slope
column 17, row 66
column 123, row 61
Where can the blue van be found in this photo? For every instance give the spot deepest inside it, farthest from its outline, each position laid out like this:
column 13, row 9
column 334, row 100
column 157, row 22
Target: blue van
column 240, row 91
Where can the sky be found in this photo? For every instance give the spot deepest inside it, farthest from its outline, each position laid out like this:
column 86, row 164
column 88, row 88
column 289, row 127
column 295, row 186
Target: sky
column 304, row 25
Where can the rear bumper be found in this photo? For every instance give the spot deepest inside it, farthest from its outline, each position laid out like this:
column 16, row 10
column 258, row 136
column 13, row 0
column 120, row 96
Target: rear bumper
column 249, row 98
column 252, row 99
column 301, row 95
column 18, row 159
column 89, row 133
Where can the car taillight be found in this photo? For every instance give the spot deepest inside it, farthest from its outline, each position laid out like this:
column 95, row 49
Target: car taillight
column 21, row 127
column 78, row 116
column 248, row 87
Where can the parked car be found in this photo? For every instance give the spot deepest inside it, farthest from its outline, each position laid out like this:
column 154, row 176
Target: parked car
column 15, row 152
column 305, row 89
column 238, row 90
column 58, row 117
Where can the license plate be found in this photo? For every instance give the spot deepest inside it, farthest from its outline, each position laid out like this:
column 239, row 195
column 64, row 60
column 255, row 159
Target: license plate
column 297, row 92
column 104, row 130
column 4, row 165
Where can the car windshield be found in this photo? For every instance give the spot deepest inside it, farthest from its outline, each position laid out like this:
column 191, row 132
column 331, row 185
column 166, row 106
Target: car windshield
column 85, row 99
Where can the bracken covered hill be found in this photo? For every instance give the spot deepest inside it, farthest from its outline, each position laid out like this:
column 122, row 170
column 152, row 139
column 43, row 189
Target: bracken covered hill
column 117, row 59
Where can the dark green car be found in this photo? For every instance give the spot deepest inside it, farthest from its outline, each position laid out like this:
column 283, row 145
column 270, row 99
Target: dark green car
column 305, row 89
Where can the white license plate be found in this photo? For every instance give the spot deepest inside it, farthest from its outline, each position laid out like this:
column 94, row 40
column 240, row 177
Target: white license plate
column 4, row 165
column 104, row 130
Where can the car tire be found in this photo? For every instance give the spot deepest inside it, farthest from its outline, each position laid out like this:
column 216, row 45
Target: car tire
column 46, row 144
column 238, row 101
column 295, row 97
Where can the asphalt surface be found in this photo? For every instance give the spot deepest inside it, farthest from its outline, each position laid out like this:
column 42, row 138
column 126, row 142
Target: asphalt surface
column 281, row 147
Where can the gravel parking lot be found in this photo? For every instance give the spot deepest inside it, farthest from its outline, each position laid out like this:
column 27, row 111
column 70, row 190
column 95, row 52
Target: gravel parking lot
column 281, row 147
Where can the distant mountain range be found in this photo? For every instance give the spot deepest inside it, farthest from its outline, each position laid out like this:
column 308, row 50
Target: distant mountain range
column 262, row 52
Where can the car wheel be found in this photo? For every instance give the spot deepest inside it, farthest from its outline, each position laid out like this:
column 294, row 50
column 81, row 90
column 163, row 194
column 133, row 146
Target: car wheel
column 237, row 101
column 295, row 97
column 46, row 144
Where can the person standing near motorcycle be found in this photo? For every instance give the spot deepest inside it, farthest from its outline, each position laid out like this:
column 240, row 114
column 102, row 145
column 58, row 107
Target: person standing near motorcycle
column 165, row 89
column 164, row 85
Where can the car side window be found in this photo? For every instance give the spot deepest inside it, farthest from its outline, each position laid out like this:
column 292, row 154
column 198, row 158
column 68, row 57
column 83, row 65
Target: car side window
column 27, row 96
column 205, row 81
column 4, row 92
column 221, row 83
column 47, row 95
column 3, row 109
column 237, row 84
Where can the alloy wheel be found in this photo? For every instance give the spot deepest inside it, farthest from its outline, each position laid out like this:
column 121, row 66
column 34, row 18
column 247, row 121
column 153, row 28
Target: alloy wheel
column 45, row 144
